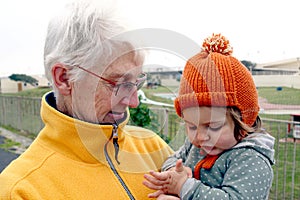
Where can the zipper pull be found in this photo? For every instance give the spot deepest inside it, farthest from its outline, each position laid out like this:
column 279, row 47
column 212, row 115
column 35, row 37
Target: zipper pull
column 115, row 141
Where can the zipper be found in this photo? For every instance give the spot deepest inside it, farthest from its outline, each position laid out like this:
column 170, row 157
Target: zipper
column 114, row 136
column 115, row 141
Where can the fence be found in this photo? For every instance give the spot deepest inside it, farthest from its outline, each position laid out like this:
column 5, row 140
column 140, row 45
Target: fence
column 24, row 114
column 286, row 182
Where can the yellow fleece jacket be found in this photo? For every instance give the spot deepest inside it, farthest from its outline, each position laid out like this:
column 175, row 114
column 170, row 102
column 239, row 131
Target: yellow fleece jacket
column 67, row 161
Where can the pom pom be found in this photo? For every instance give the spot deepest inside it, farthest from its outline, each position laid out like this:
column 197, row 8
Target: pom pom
column 217, row 43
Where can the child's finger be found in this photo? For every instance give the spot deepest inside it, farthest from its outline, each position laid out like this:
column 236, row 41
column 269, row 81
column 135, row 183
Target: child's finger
column 154, row 180
column 167, row 197
column 152, row 186
column 179, row 166
column 155, row 194
column 163, row 176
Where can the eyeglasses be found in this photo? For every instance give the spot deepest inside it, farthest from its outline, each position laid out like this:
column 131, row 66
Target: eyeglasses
column 121, row 88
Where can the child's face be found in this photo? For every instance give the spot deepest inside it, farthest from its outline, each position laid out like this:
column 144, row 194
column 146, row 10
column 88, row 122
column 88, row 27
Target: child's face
column 209, row 128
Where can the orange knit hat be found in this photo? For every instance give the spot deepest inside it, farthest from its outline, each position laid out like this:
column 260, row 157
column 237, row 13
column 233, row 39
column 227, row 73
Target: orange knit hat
column 215, row 78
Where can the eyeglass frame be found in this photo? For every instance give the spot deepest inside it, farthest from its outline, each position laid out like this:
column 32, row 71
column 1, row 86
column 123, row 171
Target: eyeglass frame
column 139, row 82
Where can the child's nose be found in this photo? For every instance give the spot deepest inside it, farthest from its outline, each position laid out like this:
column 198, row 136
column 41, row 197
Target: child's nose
column 202, row 135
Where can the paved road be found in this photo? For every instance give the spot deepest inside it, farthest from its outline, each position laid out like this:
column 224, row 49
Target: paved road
column 5, row 157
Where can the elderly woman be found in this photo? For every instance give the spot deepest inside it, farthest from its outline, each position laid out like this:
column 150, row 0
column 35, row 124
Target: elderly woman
column 86, row 149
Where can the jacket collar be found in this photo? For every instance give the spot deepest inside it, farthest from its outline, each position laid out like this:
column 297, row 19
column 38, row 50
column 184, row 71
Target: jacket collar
column 74, row 138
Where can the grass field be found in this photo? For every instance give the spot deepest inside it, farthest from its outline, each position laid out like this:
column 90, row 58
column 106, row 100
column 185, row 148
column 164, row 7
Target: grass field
column 288, row 96
column 286, row 184
column 36, row 92
column 287, row 154
column 287, row 161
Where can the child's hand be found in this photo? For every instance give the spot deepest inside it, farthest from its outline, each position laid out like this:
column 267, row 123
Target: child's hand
column 167, row 197
column 187, row 169
column 168, row 182
column 156, row 181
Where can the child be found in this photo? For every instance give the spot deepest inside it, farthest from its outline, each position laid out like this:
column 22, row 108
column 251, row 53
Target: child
column 226, row 155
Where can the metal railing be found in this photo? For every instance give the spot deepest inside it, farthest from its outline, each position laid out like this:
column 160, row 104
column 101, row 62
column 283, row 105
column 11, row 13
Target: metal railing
column 286, row 182
column 24, row 114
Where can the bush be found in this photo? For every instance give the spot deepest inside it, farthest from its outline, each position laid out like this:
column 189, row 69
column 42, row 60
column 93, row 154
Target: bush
column 142, row 116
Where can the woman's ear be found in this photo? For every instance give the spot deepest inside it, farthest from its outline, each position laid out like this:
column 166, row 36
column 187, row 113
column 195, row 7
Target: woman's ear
column 61, row 79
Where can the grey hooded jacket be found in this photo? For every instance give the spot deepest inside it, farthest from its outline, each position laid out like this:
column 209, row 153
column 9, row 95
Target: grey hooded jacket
column 243, row 172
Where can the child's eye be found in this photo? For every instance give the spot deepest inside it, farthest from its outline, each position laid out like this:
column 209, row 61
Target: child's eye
column 192, row 128
column 215, row 127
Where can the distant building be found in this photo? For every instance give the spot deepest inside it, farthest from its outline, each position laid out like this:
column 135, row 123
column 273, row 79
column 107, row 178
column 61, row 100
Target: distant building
column 9, row 86
column 282, row 67
column 283, row 73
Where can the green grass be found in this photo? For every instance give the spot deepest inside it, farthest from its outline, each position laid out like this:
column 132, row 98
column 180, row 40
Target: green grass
column 8, row 144
column 284, row 160
column 272, row 116
column 288, row 96
column 36, row 92
column 282, row 187
column 150, row 93
column 14, row 130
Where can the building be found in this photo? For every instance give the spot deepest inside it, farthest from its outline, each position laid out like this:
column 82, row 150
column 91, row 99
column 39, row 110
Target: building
column 282, row 67
column 9, row 86
column 284, row 73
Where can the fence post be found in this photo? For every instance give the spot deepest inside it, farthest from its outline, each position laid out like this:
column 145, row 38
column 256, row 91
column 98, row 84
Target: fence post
column 166, row 126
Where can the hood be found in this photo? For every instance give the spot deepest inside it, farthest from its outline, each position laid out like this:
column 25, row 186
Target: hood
column 261, row 142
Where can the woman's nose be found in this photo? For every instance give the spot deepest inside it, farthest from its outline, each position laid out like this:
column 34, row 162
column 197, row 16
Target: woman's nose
column 131, row 100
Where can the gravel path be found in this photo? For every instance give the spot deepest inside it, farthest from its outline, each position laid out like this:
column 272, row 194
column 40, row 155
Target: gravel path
column 263, row 103
column 24, row 141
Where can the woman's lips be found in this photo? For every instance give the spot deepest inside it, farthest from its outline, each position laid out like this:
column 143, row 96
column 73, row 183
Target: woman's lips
column 116, row 116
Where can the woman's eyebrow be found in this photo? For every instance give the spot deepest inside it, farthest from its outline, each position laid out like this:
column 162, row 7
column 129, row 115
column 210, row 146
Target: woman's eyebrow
column 120, row 76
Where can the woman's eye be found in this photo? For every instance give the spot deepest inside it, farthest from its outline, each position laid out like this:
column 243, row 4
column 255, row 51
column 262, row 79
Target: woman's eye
column 128, row 86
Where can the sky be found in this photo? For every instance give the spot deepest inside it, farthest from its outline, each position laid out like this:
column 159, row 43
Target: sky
column 260, row 31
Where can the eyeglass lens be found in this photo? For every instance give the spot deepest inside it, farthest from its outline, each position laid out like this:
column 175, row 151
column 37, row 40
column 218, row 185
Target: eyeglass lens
column 127, row 87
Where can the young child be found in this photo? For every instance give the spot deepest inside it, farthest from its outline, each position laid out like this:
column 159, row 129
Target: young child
column 227, row 155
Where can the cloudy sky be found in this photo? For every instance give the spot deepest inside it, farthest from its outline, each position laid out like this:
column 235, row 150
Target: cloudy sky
column 259, row 30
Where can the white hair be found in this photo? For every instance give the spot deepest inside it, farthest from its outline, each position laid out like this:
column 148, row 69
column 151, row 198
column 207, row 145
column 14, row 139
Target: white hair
column 82, row 35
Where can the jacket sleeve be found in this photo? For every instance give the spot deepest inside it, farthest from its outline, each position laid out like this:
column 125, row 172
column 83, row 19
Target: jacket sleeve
column 248, row 176
column 181, row 153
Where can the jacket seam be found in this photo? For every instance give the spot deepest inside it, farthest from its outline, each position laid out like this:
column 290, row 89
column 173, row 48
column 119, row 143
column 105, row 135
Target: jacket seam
column 29, row 173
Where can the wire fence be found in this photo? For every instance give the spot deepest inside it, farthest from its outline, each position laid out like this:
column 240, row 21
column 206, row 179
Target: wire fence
column 286, row 182
column 23, row 113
